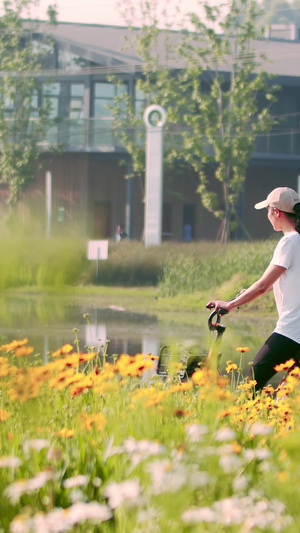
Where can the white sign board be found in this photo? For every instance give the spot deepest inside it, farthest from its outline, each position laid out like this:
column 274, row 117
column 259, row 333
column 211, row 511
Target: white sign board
column 97, row 250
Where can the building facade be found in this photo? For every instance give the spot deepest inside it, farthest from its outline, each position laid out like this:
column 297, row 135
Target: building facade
column 90, row 194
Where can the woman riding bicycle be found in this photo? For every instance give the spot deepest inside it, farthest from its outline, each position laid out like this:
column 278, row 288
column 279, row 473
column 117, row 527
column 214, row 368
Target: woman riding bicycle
column 283, row 276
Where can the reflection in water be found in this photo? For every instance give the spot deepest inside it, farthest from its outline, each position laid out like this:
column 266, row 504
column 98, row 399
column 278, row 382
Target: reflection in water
column 49, row 322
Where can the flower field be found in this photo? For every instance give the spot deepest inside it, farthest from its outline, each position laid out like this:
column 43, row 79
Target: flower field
column 89, row 445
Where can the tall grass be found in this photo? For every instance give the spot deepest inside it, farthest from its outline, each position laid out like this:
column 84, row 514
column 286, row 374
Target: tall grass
column 189, row 272
column 31, row 261
column 177, row 268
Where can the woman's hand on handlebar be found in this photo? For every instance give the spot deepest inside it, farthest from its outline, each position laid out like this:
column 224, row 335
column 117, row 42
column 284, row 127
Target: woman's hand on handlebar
column 219, row 304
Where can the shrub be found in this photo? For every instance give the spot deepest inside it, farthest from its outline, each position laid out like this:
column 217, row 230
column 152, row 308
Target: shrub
column 195, row 272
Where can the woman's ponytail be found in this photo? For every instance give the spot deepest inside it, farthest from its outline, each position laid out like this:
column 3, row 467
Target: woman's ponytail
column 297, row 218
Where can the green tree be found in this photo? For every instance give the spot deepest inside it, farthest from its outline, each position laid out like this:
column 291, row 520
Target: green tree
column 213, row 118
column 229, row 111
column 23, row 122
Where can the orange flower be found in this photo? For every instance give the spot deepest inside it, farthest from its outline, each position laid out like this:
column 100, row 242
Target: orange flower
column 59, row 380
column 236, row 447
column 230, row 367
column 86, row 383
column 242, row 349
column 23, row 350
column 76, row 359
column 66, row 348
column 295, row 372
column 181, row 387
column 152, row 357
column 284, row 366
column 6, row 370
column 233, row 410
column 13, row 345
column 97, row 420
column 4, row 415
column 128, row 365
column 201, row 377
column 84, row 357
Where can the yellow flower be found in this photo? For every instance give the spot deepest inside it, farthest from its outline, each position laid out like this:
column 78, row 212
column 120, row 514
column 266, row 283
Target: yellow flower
column 23, row 351
column 152, row 357
column 232, row 410
column 181, row 387
column 4, row 415
column 67, row 433
column 242, row 349
column 97, row 420
column 247, row 385
column 236, row 447
column 284, row 366
column 107, row 386
column 200, row 377
column 156, row 398
column 76, row 359
column 6, row 369
column 282, row 476
column 150, row 396
column 136, row 365
column 85, row 383
column 66, row 348
column 61, row 379
column 13, row 345
column 26, row 383
column 295, row 372
column 230, row 367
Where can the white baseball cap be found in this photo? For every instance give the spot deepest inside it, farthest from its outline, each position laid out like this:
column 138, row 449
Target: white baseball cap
column 283, row 198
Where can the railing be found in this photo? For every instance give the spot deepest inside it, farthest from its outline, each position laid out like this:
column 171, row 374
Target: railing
column 84, row 134
column 97, row 134
column 280, row 142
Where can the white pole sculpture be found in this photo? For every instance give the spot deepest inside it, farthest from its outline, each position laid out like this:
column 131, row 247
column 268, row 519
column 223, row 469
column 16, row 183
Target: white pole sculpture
column 154, row 118
column 48, row 195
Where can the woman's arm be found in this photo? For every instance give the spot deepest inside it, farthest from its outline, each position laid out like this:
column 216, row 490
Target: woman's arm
column 259, row 287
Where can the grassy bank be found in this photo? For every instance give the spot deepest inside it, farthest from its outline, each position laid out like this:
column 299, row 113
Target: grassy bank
column 173, row 268
column 173, row 281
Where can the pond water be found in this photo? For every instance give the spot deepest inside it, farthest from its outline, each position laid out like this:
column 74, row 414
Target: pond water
column 49, row 322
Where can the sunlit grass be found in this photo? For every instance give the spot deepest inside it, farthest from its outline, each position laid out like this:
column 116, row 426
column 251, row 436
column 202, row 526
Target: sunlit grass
column 41, row 262
column 89, row 444
column 174, row 268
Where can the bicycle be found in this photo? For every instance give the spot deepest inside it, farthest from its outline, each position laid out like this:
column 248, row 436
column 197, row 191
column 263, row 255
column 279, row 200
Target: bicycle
column 191, row 362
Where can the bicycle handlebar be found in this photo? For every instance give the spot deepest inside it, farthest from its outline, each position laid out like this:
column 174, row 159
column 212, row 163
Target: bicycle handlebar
column 216, row 325
column 220, row 312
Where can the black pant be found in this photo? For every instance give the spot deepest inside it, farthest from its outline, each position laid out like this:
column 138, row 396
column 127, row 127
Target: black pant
column 276, row 350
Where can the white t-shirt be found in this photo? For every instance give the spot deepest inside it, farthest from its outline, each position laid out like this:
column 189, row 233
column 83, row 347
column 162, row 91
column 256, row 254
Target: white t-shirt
column 287, row 287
